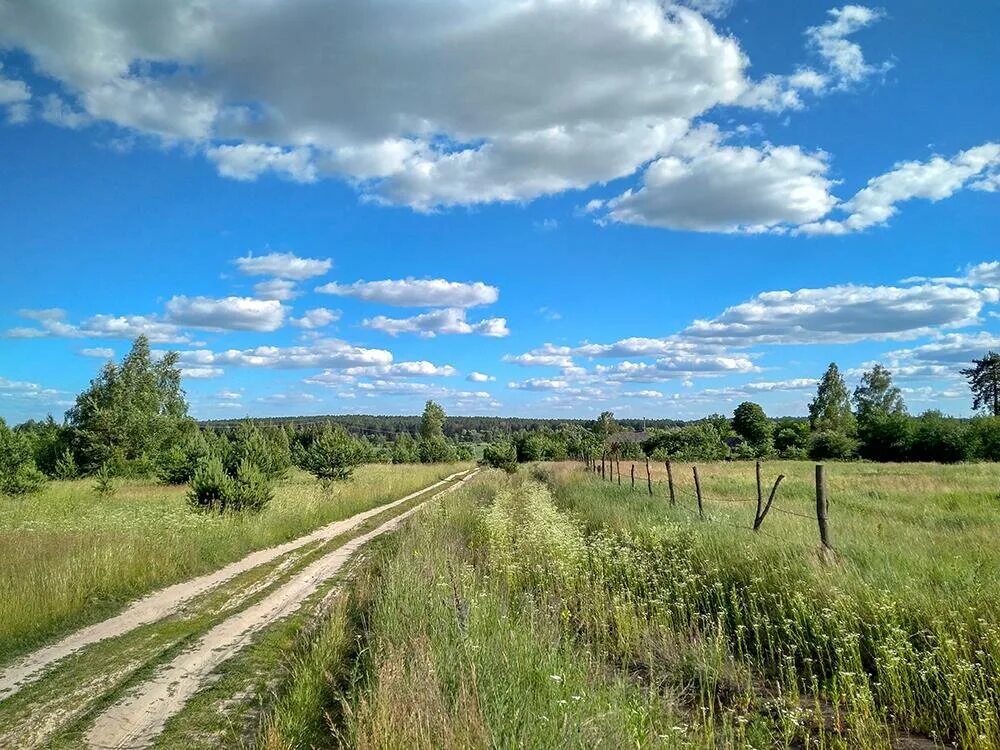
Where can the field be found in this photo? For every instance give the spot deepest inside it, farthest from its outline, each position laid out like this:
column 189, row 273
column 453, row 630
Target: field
column 545, row 609
column 69, row 556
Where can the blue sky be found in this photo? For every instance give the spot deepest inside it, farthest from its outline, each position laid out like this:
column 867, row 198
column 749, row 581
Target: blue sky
column 541, row 209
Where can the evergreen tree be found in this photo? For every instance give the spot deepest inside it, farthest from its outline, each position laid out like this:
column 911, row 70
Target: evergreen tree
column 984, row 380
column 830, row 410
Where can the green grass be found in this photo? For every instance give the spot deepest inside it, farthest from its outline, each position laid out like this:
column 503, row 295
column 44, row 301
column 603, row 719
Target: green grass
column 572, row 613
column 69, row 556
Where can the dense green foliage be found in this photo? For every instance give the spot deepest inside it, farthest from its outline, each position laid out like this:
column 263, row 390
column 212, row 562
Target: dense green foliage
column 18, row 473
column 332, row 455
column 501, row 456
column 984, row 380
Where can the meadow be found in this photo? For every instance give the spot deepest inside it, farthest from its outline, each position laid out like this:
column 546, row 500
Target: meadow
column 554, row 609
column 70, row 555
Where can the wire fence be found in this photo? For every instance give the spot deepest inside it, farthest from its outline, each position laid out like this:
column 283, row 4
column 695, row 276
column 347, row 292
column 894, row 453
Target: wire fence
column 685, row 498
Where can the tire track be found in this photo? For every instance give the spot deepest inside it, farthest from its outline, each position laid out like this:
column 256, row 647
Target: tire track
column 28, row 669
column 137, row 719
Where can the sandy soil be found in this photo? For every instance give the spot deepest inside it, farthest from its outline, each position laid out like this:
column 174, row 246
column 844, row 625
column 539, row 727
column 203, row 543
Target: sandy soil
column 167, row 601
column 140, row 716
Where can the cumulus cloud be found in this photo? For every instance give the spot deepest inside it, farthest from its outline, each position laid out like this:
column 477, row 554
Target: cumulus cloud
column 843, row 57
column 316, row 318
column 441, row 115
column 843, row 314
column 98, row 352
column 52, row 322
column 202, row 373
column 951, row 349
column 417, row 292
column 706, row 186
column 669, row 368
column 437, row 323
column 479, row 377
column 56, row 111
column 226, row 314
column 333, row 354
column 547, row 355
column 933, row 180
column 282, row 290
column 539, row 384
column 283, row 266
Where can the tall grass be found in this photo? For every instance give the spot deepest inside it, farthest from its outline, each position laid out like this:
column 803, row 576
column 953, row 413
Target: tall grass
column 572, row 613
column 69, row 555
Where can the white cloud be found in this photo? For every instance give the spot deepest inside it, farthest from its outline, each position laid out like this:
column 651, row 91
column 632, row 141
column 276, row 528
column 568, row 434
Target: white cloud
column 440, row 115
column 321, row 353
column 98, row 352
column 845, row 58
column 417, row 292
column 709, row 187
column 201, row 373
column 648, row 394
column 282, row 290
column 57, row 112
column 52, row 322
column 227, row 314
column 283, row 266
column 952, row 349
column 669, row 368
column 438, row 322
column 547, row 355
column 933, row 180
column 15, row 95
column 843, row 314
column 479, row 377
column 247, row 161
column 539, row 384
column 316, row 318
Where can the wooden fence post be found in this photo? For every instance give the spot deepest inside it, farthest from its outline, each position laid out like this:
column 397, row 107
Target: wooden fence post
column 633, row 477
column 649, row 478
column 697, row 491
column 670, row 484
column 821, row 507
column 760, row 500
column 618, row 462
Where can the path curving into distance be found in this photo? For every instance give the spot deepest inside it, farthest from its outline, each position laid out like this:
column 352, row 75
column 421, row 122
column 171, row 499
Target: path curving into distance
column 31, row 667
column 137, row 718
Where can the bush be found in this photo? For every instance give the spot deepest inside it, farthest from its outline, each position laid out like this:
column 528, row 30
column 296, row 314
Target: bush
column 436, row 450
column 501, row 456
column 178, row 464
column 104, row 481
column 830, row 444
column 18, row 473
column 791, row 440
column 984, row 438
column 65, row 466
column 939, row 438
column 886, row 437
column 333, row 455
column 211, row 486
column 249, row 489
column 699, row 442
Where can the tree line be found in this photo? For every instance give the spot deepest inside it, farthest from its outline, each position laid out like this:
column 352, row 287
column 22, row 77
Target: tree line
column 133, row 422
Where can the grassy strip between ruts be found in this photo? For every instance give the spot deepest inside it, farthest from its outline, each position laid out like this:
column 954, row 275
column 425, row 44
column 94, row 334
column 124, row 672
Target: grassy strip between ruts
column 58, row 708
column 502, row 620
column 69, row 557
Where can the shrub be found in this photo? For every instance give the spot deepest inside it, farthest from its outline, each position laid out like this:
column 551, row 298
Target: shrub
column 501, row 456
column 104, row 481
column 333, row 455
column 18, row 473
column 830, row 444
column 210, row 487
column 939, row 438
column 178, row 464
column 984, row 438
column 791, row 440
column 65, row 466
column 699, row 442
column 435, row 450
column 249, row 490
column 886, row 437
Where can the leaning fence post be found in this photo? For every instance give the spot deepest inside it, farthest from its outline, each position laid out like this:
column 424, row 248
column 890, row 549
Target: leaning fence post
column 633, row 477
column 760, row 516
column 649, row 478
column 821, row 507
column 670, row 484
column 697, row 491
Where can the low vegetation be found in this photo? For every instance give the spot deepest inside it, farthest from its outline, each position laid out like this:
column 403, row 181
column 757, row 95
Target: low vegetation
column 561, row 611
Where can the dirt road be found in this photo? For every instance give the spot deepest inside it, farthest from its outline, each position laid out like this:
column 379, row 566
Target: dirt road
column 135, row 719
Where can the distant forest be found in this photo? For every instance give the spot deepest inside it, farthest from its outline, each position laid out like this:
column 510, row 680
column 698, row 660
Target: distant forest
column 462, row 429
